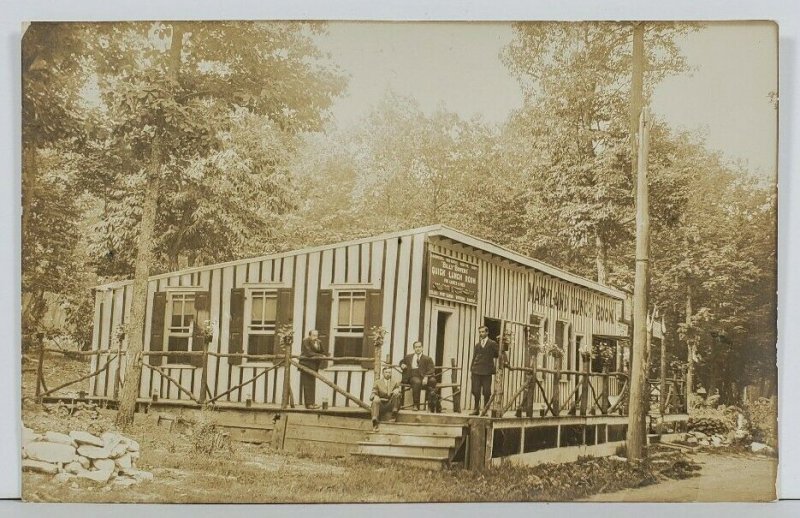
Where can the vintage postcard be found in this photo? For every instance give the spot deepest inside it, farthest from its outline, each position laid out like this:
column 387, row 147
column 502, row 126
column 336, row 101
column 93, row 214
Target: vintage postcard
column 368, row 261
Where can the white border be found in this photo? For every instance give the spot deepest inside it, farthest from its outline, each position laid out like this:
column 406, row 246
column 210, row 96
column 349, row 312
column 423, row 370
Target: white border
column 13, row 12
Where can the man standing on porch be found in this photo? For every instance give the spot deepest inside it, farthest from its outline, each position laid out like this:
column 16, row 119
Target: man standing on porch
column 310, row 349
column 385, row 397
column 482, row 368
column 418, row 370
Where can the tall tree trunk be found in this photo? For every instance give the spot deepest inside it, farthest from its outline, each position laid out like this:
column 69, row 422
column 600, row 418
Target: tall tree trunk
column 637, row 436
column 601, row 260
column 690, row 346
column 135, row 331
column 144, row 261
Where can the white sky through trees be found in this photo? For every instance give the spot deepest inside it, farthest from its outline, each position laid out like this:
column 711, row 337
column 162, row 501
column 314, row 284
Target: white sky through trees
column 457, row 66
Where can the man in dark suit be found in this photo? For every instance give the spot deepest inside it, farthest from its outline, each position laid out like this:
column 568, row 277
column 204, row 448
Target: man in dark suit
column 482, row 368
column 418, row 370
column 310, row 349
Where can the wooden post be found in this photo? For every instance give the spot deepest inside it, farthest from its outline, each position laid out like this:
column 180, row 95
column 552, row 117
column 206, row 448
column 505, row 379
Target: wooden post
column 556, row 398
column 476, row 447
column 585, row 384
column 118, row 374
column 531, row 390
column 604, row 402
column 40, row 366
column 204, row 373
column 499, row 377
column 456, row 390
column 287, row 368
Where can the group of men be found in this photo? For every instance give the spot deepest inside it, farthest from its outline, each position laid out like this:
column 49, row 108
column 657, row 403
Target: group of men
column 417, row 371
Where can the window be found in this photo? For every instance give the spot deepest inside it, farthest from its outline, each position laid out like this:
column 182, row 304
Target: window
column 602, row 346
column 180, row 325
column 263, row 315
column 348, row 330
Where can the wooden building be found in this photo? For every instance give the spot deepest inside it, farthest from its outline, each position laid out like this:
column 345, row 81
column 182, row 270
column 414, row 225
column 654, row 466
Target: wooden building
column 433, row 284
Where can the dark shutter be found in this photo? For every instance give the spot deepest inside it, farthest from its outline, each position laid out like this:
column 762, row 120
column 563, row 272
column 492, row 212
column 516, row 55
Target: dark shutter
column 157, row 327
column 373, row 316
column 202, row 305
column 284, row 315
column 323, row 321
column 235, row 345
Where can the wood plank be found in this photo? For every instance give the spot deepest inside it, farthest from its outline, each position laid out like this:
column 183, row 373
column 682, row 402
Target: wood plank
column 353, row 264
column 401, row 302
column 389, row 282
column 415, row 293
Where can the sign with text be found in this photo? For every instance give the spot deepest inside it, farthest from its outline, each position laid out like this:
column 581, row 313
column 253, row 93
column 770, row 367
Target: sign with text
column 452, row 279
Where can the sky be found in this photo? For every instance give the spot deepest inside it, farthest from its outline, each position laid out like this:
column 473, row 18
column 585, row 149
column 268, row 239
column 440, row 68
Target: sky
column 457, row 66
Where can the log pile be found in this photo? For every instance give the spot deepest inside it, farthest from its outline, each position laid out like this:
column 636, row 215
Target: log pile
column 80, row 455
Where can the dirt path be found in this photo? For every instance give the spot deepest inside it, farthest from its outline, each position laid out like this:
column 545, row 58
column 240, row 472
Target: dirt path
column 729, row 478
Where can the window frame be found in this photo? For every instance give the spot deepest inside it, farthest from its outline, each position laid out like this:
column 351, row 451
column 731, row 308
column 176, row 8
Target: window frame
column 247, row 319
column 168, row 327
column 338, row 330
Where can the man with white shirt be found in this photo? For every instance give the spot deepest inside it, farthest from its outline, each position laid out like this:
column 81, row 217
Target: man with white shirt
column 482, row 368
column 385, row 397
column 418, row 370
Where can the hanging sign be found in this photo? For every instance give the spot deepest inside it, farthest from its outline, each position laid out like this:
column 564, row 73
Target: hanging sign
column 452, row 279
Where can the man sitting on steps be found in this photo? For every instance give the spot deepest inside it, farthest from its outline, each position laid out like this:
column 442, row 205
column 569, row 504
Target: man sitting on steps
column 385, row 397
column 418, row 370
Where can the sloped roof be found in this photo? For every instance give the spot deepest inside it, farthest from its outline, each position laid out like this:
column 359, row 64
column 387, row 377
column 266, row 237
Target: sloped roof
column 433, row 230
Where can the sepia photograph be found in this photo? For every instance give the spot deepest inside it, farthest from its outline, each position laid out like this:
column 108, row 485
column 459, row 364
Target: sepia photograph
column 363, row 261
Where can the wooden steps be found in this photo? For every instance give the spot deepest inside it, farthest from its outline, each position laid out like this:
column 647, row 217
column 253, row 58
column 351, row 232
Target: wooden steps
column 424, row 445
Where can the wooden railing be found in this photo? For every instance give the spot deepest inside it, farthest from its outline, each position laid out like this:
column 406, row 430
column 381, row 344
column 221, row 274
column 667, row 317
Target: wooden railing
column 584, row 397
column 668, row 395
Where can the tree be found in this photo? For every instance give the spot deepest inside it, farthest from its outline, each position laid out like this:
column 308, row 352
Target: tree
column 52, row 77
column 576, row 82
column 167, row 90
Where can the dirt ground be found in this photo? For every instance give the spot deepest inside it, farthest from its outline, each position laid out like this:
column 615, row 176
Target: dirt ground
column 724, row 478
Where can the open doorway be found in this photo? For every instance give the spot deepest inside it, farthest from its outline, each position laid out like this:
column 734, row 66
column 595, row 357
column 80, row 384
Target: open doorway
column 495, row 327
column 441, row 340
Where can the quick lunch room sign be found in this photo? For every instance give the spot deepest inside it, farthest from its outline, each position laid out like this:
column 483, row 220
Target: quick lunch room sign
column 451, row 279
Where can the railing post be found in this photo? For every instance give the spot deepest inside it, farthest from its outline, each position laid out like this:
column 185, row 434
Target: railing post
column 499, row 377
column 530, row 391
column 118, row 373
column 287, row 365
column 40, row 366
column 556, row 398
column 204, row 372
column 456, row 390
column 585, row 385
column 604, row 402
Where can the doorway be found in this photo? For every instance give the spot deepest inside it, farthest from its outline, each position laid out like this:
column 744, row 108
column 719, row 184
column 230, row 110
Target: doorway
column 495, row 327
column 441, row 340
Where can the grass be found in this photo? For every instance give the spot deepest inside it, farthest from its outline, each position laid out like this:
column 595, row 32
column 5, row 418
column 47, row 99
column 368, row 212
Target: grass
column 187, row 470
column 257, row 474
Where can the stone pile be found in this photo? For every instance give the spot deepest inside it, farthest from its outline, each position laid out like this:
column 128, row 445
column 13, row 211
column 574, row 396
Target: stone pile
column 698, row 438
column 109, row 458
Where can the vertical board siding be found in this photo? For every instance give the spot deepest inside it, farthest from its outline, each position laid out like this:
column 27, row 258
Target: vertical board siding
column 396, row 266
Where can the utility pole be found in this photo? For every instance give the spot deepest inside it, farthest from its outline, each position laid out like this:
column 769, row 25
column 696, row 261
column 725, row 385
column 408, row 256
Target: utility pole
column 637, row 437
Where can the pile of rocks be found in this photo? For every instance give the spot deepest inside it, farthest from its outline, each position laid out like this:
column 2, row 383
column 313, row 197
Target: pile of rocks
column 81, row 455
column 698, row 438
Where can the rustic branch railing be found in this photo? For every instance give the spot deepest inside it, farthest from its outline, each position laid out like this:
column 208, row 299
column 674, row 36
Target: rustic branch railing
column 579, row 396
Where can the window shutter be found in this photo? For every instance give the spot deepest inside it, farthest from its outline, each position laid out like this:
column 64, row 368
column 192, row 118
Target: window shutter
column 373, row 316
column 323, row 321
column 157, row 327
column 202, row 305
column 285, row 311
column 235, row 344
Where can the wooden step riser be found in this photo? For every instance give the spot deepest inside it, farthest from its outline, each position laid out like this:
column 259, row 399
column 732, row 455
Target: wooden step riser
column 411, row 440
column 421, row 429
column 430, row 418
column 429, row 464
column 441, row 454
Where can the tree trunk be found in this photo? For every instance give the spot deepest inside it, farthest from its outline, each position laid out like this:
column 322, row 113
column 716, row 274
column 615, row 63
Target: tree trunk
column 601, row 260
column 637, row 437
column 144, row 261
column 690, row 346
